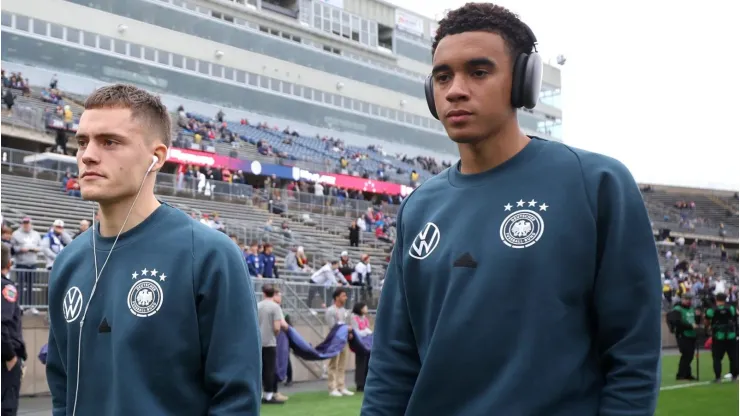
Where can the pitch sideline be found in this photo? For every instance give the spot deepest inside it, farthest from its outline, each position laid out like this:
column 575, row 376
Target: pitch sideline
column 683, row 386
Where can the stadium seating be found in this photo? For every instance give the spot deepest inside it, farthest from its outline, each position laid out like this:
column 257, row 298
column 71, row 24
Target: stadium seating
column 42, row 200
column 313, row 153
column 708, row 214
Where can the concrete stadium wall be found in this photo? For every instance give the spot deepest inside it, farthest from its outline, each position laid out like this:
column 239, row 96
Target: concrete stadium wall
column 36, row 334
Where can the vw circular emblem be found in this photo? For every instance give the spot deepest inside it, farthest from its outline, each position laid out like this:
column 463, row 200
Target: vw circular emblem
column 522, row 229
column 145, row 298
column 72, row 304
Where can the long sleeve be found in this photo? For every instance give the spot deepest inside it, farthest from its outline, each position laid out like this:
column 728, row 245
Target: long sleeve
column 229, row 333
column 394, row 361
column 56, row 376
column 627, row 292
column 340, row 278
column 262, row 260
column 8, row 350
column 46, row 249
column 15, row 243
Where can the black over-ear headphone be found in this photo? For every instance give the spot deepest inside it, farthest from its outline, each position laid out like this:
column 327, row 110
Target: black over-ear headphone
column 526, row 80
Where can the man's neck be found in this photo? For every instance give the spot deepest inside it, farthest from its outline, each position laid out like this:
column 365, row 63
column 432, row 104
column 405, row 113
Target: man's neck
column 338, row 305
column 113, row 215
column 492, row 151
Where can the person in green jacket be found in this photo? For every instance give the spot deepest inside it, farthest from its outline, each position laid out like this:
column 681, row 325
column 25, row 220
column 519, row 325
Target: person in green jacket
column 685, row 330
column 722, row 319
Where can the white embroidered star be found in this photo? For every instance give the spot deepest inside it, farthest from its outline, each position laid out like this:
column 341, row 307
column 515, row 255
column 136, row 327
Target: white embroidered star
column 162, row 277
column 154, row 273
column 520, row 203
column 507, row 207
column 134, row 275
column 543, row 207
column 144, row 272
column 532, row 203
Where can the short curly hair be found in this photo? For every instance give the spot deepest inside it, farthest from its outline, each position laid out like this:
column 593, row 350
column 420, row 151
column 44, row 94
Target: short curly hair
column 487, row 17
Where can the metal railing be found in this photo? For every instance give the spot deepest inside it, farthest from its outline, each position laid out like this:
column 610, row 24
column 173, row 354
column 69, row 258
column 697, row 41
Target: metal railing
column 171, row 184
column 33, row 292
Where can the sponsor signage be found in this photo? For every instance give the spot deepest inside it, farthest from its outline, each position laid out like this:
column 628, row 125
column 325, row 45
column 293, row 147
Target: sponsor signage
column 198, row 158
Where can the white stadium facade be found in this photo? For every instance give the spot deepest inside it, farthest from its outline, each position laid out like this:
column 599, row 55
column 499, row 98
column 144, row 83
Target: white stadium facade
column 347, row 68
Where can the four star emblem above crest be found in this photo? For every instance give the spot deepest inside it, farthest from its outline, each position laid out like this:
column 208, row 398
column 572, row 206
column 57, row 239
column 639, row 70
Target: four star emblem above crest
column 152, row 273
column 530, row 204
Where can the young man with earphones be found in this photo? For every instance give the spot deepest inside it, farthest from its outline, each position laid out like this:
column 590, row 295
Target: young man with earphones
column 151, row 313
column 524, row 278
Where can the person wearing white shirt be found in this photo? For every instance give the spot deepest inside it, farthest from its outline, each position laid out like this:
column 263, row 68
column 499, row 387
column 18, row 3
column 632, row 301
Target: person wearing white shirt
column 361, row 275
column 323, row 280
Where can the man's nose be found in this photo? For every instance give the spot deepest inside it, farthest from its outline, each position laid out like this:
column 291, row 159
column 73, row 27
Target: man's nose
column 458, row 90
column 90, row 154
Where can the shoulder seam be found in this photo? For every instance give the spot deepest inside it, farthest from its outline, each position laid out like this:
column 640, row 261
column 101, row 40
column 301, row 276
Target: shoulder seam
column 591, row 202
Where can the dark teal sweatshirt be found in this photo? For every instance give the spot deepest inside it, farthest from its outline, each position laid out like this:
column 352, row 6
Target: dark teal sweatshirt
column 171, row 329
column 531, row 289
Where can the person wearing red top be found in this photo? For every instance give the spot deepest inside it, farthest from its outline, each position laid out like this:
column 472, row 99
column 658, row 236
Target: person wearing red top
column 73, row 187
column 361, row 324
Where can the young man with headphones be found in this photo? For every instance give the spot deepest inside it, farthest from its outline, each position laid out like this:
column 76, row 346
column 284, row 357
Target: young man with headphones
column 151, row 313
column 524, row 278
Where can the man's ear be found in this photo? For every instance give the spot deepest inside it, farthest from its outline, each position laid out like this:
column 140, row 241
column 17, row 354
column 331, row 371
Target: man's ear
column 160, row 151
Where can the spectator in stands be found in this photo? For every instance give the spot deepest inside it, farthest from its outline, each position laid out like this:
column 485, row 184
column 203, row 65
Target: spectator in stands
column 276, row 206
column 414, row 179
column 302, row 260
column 361, row 275
column 9, row 100
column 286, row 231
column 324, row 279
column 354, row 234
column 27, row 245
column 338, row 314
column 205, row 220
column 291, row 262
column 216, row 222
column 271, row 321
column 268, row 264
column 53, row 242
column 362, row 224
column 382, row 233
column 253, row 261
column 7, row 236
column 346, row 266
column 73, row 186
column 68, row 117
column 361, row 324
column 268, row 225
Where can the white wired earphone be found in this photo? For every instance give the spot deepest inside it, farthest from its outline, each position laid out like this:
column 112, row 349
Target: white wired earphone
column 155, row 160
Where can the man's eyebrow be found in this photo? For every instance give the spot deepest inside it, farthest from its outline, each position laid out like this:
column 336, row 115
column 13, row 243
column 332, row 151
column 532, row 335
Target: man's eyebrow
column 470, row 63
column 480, row 62
column 102, row 136
column 440, row 68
